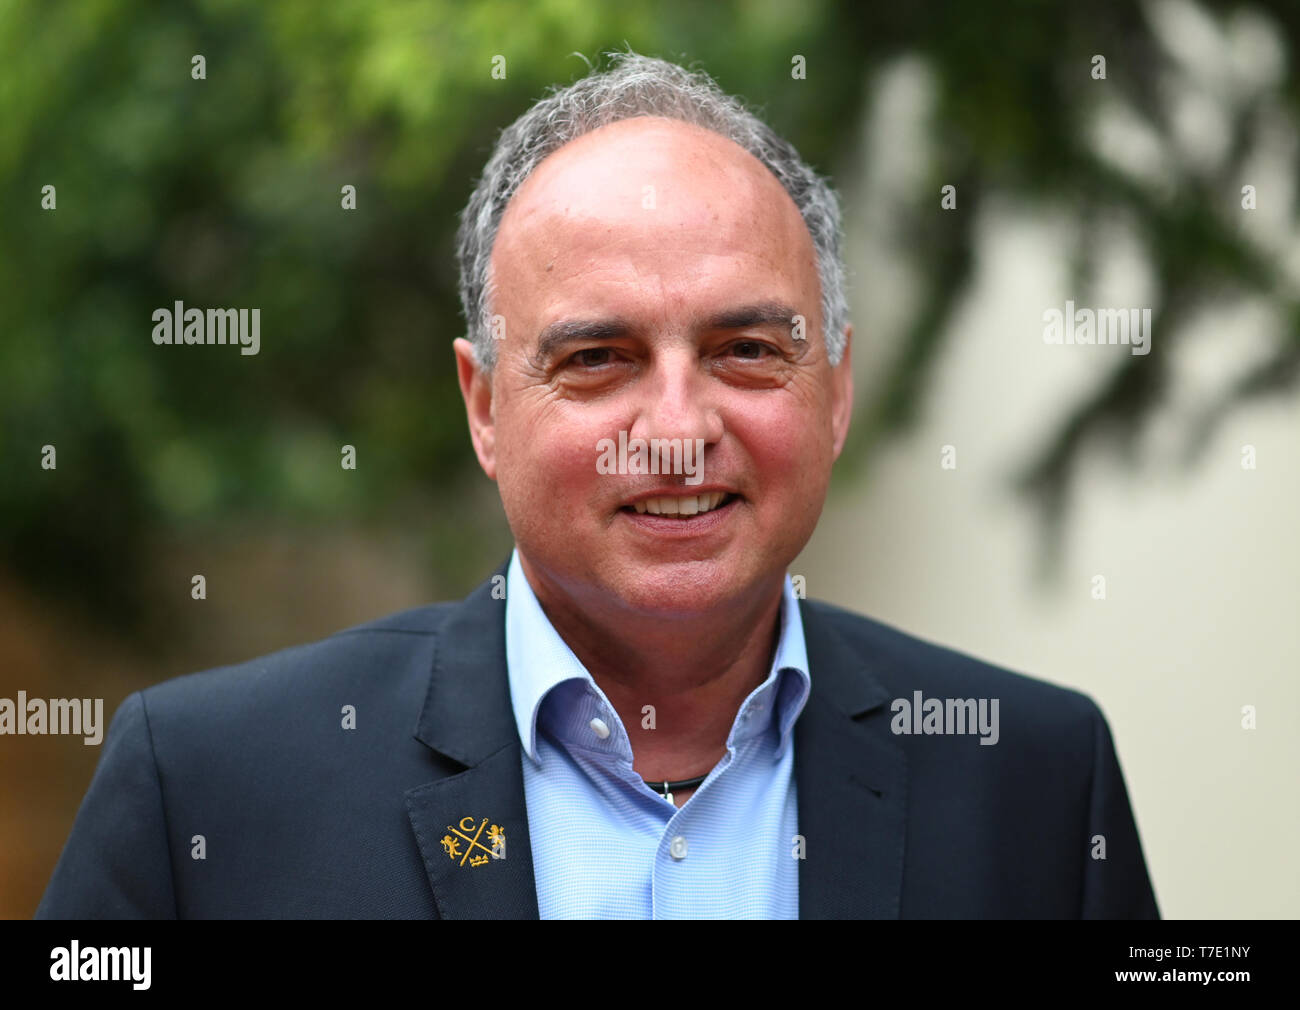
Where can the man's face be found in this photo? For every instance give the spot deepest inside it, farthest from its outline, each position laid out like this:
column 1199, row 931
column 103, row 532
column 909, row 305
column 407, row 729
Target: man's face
column 647, row 275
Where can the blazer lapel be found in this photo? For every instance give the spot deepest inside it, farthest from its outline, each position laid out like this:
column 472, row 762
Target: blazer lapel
column 467, row 718
column 851, row 780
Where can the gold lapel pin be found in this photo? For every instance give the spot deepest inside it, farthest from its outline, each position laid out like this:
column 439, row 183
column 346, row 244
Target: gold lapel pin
column 470, row 835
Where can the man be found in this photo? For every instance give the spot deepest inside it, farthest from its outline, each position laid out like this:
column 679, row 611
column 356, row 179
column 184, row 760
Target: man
column 637, row 716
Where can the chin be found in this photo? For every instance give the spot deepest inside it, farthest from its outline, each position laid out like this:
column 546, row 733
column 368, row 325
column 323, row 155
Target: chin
column 682, row 588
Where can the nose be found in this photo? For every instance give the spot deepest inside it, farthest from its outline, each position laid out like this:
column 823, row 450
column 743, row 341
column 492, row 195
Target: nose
column 676, row 400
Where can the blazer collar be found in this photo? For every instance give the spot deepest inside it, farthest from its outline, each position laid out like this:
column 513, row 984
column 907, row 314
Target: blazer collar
column 467, row 713
column 851, row 779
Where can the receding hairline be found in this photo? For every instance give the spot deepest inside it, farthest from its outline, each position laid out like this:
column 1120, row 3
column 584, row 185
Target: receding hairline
column 646, row 123
column 753, row 167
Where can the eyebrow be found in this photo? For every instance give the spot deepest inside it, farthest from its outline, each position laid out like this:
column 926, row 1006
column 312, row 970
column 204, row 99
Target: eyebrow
column 571, row 331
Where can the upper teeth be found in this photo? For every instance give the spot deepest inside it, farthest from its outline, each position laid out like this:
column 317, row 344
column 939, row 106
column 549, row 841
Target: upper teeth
column 687, row 506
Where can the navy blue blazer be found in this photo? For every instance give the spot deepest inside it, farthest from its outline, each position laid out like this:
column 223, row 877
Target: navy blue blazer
column 300, row 817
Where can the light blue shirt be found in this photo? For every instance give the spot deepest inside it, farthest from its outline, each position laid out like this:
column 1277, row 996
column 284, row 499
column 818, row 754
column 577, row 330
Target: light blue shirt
column 607, row 846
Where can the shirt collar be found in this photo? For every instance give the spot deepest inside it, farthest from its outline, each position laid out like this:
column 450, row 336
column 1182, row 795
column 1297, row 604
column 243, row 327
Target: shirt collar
column 538, row 660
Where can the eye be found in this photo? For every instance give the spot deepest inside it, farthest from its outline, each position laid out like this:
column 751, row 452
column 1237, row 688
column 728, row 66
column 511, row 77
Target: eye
column 750, row 349
column 591, row 357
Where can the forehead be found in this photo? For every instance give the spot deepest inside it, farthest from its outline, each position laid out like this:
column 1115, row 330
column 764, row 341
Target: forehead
column 650, row 208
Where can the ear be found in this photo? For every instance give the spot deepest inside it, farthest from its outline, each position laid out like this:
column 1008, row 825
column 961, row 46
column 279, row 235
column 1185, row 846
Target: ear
column 842, row 393
column 476, row 390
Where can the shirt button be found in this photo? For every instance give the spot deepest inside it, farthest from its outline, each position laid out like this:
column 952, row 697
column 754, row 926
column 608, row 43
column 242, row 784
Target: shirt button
column 601, row 730
column 678, row 848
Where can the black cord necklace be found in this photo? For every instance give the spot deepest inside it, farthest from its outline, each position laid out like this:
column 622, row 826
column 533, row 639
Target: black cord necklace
column 665, row 789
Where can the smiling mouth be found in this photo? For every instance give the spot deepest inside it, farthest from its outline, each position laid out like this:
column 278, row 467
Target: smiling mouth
column 681, row 506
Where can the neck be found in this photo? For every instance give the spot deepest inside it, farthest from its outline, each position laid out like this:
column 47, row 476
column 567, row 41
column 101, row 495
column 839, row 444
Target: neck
column 693, row 671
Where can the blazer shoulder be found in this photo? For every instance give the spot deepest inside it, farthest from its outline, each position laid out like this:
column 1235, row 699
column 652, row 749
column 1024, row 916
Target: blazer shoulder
column 905, row 663
column 388, row 647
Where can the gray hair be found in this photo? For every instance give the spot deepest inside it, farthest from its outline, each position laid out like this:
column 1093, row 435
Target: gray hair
column 636, row 85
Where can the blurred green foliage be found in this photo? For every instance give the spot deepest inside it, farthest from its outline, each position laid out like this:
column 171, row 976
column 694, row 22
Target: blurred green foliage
column 226, row 192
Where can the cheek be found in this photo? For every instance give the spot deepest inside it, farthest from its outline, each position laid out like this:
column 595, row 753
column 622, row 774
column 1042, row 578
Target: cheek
column 545, row 461
column 789, row 449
